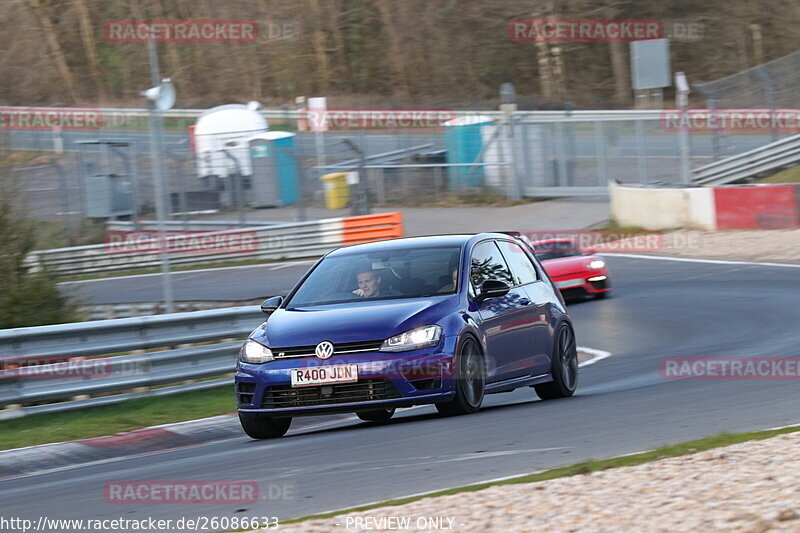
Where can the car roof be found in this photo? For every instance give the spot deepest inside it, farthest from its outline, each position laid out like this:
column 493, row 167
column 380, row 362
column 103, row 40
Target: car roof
column 416, row 242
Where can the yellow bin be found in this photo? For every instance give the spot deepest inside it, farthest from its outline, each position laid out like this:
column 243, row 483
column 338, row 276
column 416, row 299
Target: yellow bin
column 337, row 193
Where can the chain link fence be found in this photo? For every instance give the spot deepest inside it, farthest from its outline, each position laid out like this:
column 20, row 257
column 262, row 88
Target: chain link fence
column 71, row 177
column 772, row 85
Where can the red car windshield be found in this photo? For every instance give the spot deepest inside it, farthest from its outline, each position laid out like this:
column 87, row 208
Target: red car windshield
column 554, row 250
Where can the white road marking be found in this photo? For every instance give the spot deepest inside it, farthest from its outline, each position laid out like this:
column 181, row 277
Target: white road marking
column 284, row 265
column 598, row 355
column 783, row 427
column 693, row 260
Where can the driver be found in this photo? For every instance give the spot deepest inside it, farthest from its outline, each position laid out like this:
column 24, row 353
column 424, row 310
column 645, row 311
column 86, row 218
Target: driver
column 369, row 284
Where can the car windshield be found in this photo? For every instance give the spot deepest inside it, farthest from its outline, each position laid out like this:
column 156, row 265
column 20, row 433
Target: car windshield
column 554, row 250
column 387, row 274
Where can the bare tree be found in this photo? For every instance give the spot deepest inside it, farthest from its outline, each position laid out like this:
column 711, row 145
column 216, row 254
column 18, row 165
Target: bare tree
column 59, row 58
column 87, row 36
column 400, row 85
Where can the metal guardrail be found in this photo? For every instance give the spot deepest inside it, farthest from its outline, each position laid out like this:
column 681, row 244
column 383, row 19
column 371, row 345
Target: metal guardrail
column 274, row 114
column 294, row 114
column 289, row 241
column 126, row 334
column 377, row 159
column 69, row 343
column 770, row 157
column 278, row 241
column 187, row 225
column 127, row 310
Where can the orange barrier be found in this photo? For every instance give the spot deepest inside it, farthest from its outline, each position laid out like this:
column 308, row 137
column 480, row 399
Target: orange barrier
column 370, row 228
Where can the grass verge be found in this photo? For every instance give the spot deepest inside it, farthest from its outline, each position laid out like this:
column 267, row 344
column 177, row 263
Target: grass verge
column 585, row 467
column 110, row 419
column 789, row 175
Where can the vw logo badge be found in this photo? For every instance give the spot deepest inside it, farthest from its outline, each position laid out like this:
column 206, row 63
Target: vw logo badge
column 324, row 350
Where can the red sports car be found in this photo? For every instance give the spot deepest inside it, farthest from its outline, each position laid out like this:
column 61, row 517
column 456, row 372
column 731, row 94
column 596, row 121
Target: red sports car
column 574, row 271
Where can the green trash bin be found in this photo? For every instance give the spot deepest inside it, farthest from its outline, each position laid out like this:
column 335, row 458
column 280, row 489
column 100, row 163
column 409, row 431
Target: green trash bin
column 337, row 193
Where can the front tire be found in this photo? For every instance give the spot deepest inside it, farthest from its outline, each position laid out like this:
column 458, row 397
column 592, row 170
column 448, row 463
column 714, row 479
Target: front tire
column 470, row 381
column 381, row 415
column 264, row 427
column 564, row 367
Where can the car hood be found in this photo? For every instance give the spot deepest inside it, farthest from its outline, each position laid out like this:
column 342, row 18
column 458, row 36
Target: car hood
column 563, row 266
column 350, row 322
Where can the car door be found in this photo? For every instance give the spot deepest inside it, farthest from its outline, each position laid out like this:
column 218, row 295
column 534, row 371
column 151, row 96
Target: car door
column 537, row 357
column 506, row 320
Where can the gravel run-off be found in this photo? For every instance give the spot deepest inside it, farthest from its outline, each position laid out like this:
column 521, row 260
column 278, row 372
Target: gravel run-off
column 751, row 487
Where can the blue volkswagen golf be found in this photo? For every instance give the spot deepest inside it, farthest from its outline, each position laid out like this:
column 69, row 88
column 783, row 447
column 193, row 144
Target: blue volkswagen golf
column 374, row 327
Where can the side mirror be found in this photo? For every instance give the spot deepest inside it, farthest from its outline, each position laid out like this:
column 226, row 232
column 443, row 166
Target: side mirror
column 271, row 305
column 589, row 251
column 492, row 288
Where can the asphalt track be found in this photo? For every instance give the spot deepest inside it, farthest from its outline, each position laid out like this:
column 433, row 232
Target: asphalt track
column 222, row 284
column 660, row 308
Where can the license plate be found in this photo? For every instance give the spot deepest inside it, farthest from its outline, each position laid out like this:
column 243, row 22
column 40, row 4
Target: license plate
column 569, row 283
column 324, row 375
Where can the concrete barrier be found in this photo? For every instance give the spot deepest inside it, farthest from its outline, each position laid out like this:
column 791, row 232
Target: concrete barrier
column 727, row 207
column 756, row 207
column 662, row 208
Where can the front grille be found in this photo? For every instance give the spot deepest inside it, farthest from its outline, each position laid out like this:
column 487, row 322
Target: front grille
column 284, row 396
column 341, row 348
column 574, row 293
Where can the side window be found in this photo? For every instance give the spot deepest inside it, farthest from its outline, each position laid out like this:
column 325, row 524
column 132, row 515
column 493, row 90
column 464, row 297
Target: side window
column 487, row 263
column 521, row 267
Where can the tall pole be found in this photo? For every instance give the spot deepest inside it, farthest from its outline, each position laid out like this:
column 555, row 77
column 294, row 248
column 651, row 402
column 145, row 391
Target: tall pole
column 236, row 187
column 359, row 203
column 158, row 183
column 684, row 146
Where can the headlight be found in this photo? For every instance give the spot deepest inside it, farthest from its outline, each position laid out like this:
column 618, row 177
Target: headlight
column 597, row 264
column 413, row 339
column 253, row 352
